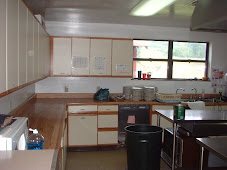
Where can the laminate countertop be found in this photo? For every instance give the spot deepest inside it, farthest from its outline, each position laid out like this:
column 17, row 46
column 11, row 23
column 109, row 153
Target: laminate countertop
column 48, row 115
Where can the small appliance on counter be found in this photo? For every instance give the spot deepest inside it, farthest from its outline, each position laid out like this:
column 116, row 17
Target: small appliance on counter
column 14, row 135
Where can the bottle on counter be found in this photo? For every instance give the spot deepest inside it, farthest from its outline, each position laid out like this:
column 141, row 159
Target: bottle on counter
column 35, row 141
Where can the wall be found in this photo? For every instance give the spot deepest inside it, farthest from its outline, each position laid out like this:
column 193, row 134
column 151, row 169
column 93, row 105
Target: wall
column 15, row 99
column 88, row 85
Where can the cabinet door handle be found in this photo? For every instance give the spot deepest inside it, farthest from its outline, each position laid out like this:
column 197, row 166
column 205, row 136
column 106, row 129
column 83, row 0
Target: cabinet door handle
column 82, row 109
column 107, row 109
column 82, row 117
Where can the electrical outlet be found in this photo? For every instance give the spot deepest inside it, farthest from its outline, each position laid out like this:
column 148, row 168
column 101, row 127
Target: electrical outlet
column 66, row 89
column 25, row 94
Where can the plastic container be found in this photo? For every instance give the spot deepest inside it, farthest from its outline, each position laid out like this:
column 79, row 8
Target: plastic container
column 35, row 141
column 143, row 144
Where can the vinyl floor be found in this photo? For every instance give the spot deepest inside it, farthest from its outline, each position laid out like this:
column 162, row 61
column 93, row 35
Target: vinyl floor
column 101, row 160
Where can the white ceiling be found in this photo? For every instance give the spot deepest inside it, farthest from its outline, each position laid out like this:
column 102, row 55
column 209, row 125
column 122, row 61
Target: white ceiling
column 110, row 12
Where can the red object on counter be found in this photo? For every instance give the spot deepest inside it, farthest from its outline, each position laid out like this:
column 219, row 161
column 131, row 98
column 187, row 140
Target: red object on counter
column 144, row 76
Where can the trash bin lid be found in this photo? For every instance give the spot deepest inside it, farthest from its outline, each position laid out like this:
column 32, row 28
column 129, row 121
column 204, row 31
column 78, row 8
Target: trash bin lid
column 143, row 128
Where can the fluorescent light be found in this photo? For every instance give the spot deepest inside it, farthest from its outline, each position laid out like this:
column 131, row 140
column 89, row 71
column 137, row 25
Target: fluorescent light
column 150, row 7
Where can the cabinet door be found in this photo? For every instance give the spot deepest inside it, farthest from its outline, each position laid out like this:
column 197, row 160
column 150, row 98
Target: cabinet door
column 107, row 121
column 100, row 57
column 107, row 137
column 82, row 130
column 22, row 42
column 36, row 49
column 46, row 55
column 41, row 52
column 12, row 43
column 30, row 49
column 62, row 56
column 80, row 56
column 122, row 54
column 2, row 46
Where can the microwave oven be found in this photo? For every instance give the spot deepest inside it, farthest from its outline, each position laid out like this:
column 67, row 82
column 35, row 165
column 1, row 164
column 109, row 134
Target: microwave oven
column 14, row 136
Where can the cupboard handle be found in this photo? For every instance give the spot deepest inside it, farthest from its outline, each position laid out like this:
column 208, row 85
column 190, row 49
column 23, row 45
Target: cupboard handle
column 82, row 117
column 82, row 109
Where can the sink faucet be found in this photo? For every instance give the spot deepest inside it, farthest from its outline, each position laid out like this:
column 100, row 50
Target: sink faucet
column 180, row 89
column 195, row 97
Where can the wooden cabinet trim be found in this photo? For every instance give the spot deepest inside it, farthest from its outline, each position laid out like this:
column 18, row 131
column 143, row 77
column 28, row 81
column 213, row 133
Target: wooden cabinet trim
column 108, row 113
column 107, row 129
column 93, row 113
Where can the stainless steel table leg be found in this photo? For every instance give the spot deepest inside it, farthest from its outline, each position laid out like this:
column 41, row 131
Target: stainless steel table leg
column 174, row 144
column 158, row 120
column 201, row 158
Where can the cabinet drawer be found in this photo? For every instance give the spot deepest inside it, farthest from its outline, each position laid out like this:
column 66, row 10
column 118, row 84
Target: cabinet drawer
column 107, row 121
column 107, row 137
column 82, row 108
column 108, row 108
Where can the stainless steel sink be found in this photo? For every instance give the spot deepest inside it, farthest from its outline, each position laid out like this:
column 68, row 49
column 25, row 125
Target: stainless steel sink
column 204, row 100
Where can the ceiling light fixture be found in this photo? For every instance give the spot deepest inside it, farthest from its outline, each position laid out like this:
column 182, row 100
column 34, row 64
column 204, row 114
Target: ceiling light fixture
column 149, row 7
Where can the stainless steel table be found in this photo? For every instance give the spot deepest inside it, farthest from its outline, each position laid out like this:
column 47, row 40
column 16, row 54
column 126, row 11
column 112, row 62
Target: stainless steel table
column 216, row 145
column 199, row 123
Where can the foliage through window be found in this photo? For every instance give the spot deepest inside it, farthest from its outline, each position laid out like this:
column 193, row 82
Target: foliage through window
column 170, row 59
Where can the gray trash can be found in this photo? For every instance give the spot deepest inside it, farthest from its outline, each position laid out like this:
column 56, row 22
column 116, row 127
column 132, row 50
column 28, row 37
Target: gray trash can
column 143, row 143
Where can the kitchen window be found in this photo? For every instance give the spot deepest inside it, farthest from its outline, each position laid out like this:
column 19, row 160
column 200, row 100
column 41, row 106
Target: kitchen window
column 170, row 59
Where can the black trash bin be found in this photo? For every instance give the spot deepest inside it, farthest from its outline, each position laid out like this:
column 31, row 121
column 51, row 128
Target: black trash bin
column 143, row 143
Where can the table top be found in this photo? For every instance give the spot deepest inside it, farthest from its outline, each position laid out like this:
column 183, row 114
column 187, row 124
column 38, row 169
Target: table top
column 29, row 159
column 196, row 115
column 216, row 145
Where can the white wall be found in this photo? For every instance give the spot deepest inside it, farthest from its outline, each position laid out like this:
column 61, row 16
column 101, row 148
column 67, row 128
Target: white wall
column 15, row 99
column 88, row 85
column 115, row 85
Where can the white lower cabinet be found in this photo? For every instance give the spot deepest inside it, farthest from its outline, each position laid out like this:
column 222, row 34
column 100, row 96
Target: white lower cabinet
column 82, row 130
column 107, row 137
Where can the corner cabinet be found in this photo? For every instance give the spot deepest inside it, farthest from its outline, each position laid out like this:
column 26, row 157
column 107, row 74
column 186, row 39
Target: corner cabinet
column 82, row 125
column 122, row 54
column 107, row 125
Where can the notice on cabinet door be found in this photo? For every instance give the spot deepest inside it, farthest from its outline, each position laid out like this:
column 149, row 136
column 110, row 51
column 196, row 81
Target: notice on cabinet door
column 79, row 62
column 121, row 67
column 100, row 63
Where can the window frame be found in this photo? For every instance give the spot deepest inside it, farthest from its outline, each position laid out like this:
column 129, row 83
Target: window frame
column 170, row 59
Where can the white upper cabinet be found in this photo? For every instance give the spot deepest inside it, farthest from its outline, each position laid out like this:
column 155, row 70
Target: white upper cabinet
column 46, row 55
column 42, row 52
column 62, row 56
column 122, row 55
column 12, row 43
column 30, row 48
column 2, row 46
column 22, row 42
column 100, row 57
column 80, row 56
column 36, row 49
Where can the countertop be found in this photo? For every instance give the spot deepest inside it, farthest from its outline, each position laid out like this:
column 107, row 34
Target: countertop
column 29, row 159
column 216, row 145
column 48, row 115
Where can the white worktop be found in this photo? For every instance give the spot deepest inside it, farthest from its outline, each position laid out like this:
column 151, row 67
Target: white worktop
column 28, row 159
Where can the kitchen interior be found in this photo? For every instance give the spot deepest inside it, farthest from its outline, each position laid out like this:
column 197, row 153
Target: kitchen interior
column 55, row 56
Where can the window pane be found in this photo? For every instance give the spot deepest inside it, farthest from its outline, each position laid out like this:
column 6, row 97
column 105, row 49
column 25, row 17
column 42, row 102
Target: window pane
column 150, row 49
column 188, row 70
column 158, row 69
column 189, row 50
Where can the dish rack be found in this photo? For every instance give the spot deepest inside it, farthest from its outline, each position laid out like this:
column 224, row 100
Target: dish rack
column 168, row 97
